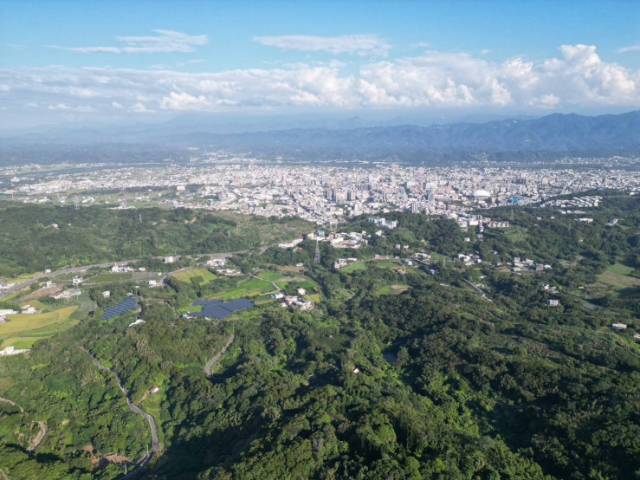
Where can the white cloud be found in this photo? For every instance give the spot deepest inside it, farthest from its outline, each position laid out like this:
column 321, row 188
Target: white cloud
column 190, row 62
column 4, row 88
column 15, row 46
column 67, row 108
column 632, row 48
column 166, row 41
column 183, row 101
column 577, row 78
column 353, row 44
column 31, row 105
column 486, row 51
column 117, row 106
column 139, row 108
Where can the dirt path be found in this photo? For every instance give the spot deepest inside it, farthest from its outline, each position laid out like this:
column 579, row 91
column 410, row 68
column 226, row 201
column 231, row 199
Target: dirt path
column 36, row 441
column 43, row 426
column 155, row 444
column 212, row 362
column 14, row 404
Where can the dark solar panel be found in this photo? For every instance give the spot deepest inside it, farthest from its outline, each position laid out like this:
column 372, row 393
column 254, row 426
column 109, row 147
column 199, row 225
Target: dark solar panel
column 126, row 305
column 217, row 309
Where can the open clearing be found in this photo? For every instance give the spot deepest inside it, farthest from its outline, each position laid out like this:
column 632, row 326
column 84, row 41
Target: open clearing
column 196, row 276
column 392, row 289
column 251, row 288
column 270, row 276
column 620, row 269
column 110, row 277
column 354, row 267
column 618, row 281
column 23, row 330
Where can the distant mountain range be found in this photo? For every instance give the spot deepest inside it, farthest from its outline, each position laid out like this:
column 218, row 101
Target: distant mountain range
column 554, row 134
column 557, row 133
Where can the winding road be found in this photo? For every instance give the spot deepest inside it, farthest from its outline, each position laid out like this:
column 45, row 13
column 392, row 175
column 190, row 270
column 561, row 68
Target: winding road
column 42, row 424
column 12, row 403
column 36, row 441
column 212, row 362
column 155, row 444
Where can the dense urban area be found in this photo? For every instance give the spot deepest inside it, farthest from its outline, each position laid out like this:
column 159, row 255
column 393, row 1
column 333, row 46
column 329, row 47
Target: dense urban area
column 319, row 194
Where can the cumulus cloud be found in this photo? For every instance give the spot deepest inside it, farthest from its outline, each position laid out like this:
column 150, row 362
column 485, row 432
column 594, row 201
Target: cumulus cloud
column 166, row 41
column 117, row 105
column 576, row 78
column 352, row 44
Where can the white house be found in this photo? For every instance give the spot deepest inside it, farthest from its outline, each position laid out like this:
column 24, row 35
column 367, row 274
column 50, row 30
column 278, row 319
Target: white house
column 106, row 294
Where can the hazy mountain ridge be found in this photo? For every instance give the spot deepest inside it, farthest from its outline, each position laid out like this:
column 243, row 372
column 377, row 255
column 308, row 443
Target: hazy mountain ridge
column 549, row 136
column 555, row 132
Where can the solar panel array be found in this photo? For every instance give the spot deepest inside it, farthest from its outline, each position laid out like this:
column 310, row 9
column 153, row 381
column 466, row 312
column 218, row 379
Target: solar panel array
column 217, row 309
column 127, row 305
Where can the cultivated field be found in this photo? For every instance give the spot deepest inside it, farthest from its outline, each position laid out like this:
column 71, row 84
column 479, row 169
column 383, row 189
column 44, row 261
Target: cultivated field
column 197, row 276
column 24, row 330
column 251, row 288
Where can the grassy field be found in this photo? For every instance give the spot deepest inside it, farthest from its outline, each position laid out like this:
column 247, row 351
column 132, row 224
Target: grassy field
column 618, row 281
column 388, row 264
column 197, row 276
column 110, row 277
column 270, row 276
column 24, row 330
column 251, row 288
column 620, row 269
column 354, row 267
column 392, row 289
column 36, row 304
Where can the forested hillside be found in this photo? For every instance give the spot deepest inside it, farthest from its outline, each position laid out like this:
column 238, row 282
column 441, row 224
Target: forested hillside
column 401, row 370
column 33, row 238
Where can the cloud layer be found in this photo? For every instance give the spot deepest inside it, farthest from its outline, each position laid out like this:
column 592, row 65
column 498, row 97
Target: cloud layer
column 165, row 42
column 352, row 44
column 577, row 78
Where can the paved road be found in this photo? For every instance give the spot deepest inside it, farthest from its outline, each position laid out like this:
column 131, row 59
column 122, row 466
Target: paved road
column 212, row 362
column 155, row 444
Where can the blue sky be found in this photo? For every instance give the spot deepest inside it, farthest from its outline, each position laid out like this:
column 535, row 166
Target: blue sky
column 414, row 55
